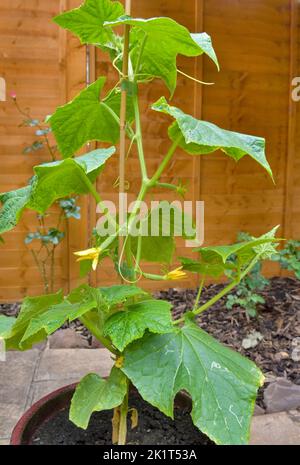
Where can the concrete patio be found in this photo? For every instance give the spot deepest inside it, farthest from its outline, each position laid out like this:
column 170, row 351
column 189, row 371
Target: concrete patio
column 25, row 377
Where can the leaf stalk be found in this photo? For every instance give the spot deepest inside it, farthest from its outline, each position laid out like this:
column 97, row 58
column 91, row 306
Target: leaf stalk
column 223, row 292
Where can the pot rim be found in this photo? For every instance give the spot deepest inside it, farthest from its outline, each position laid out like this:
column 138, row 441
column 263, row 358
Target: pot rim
column 50, row 404
column 40, row 411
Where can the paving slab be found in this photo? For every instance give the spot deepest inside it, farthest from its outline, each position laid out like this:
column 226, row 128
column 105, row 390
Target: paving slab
column 72, row 364
column 9, row 415
column 40, row 389
column 25, row 377
column 276, row 429
column 16, row 375
column 4, row 442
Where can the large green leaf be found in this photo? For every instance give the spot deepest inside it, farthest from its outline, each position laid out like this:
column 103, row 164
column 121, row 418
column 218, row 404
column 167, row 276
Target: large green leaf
column 120, row 293
column 200, row 137
column 62, row 178
column 6, row 323
column 94, row 394
column 32, row 307
column 87, row 20
column 131, row 323
column 53, row 319
column 92, row 304
column 225, row 259
column 204, row 41
column 14, row 203
column 105, row 298
column 267, row 250
column 243, row 251
column 222, row 383
column 88, row 118
column 165, row 40
column 85, row 295
column 159, row 229
column 156, row 249
column 52, row 181
column 41, row 316
column 99, row 303
column 168, row 219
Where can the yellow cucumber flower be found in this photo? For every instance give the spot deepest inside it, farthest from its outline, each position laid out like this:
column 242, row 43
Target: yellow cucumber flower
column 89, row 254
column 176, row 274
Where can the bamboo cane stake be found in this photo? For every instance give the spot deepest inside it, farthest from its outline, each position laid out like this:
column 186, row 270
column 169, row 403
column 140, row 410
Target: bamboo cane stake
column 122, row 154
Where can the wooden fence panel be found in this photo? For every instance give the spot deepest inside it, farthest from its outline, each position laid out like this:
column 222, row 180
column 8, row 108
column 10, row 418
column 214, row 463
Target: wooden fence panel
column 251, row 95
column 258, row 46
column 29, row 62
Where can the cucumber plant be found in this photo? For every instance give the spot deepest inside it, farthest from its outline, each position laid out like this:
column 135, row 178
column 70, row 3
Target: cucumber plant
column 152, row 351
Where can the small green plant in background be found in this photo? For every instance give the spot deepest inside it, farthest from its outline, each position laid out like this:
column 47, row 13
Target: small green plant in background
column 47, row 238
column 160, row 356
column 289, row 257
column 245, row 294
column 246, row 298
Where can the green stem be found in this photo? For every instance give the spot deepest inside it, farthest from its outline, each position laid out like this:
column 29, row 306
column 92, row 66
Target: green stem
column 166, row 185
column 139, row 138
column 222, row 293
column 140, row 198
column 124, row 227
column 98, row 199
column 154, row 277
column 138, row 254
column 146, row 183
column 129, row 130
column 199, row 292
column 165, row 161
column 52, row 274
column 217, row 297
column 138, row 127
column 123, row 419
column 93, row 190
column 228, row 288
column 128, row 253
column 97, row 333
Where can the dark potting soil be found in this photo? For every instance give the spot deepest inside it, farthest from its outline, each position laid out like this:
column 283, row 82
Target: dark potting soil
column 154, row 428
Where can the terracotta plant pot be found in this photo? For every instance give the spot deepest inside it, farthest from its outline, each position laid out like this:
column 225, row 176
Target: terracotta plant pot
column 40, row 412
column 50, row 405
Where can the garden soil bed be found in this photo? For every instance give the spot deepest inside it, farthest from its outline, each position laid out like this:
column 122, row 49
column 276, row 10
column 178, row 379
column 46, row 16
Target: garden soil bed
column 278, row 322
column 153, row 428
